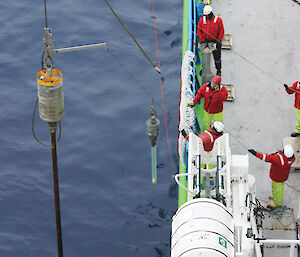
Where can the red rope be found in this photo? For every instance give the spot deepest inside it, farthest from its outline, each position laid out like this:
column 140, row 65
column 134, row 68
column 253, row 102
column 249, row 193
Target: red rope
column 161, row 86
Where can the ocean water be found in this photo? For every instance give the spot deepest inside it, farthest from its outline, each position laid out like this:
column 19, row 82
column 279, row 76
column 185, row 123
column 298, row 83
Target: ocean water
column 109, row 207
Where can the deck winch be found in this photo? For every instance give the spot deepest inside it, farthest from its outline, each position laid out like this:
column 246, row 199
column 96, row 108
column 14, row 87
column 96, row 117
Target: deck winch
column 152, row 130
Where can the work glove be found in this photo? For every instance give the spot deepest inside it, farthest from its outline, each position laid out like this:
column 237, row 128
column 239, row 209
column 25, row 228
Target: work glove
column 252, row 151
column 286, row 86
column 192, row 104
column 183, row 133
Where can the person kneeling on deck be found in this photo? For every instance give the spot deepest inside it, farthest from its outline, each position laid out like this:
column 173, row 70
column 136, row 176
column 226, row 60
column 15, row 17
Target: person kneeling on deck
column 208, row 137
column 214, row 95
column 279, row 172
column 210, row 29
column 295, row 88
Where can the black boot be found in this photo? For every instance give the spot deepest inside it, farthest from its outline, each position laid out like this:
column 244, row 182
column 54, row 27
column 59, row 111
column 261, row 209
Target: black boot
column 218, row 72
column 295, row 134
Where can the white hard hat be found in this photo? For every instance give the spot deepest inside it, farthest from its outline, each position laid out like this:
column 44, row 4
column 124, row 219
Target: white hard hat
column 207, row 9
column 219, row 126
column 288, row 151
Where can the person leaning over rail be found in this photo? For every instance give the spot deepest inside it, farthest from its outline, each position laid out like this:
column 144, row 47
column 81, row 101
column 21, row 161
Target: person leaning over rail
column 214, row 95
column 210, row 29
column 208, row 137
column 281, row 163
column 295, row 88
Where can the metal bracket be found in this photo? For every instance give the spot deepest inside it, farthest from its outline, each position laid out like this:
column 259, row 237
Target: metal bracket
column 48, row 42
column 231, row 92
column 227, row 42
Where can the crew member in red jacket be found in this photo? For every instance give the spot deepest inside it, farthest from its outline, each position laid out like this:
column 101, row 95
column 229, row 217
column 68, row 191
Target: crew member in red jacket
column 214, row 95
column 208, row 137
column 279, row 172
column 210, row 29
column 295, row 88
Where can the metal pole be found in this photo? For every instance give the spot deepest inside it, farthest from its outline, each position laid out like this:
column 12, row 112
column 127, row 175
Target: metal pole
column 217, row 179
column 280, row 241
column 52, row 129
column 78, row 48
column 199, row 176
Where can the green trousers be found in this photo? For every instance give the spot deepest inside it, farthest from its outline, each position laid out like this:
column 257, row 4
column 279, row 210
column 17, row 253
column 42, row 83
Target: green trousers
column 298, row 121
column 210, row 117
column 277, row 190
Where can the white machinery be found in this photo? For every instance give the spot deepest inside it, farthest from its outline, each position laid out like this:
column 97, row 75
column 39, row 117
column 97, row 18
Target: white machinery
column 222, row 216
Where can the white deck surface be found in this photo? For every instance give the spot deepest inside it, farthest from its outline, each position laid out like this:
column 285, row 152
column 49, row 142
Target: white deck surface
column 266, row 33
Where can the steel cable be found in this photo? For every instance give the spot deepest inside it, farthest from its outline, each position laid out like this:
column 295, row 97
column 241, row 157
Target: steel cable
column 143, row 51
column 132, row 76
column 45, row 7
column 161, row 87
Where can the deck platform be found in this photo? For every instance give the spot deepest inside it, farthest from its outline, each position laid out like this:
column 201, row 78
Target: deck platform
column 279, row 224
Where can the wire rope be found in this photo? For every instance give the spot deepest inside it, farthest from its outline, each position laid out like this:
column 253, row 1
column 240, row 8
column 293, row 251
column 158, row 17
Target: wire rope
column 237, row 140
column 161, row 88
column 292, row 187
column 143, row 51
column 132, row 76
column 45, row 7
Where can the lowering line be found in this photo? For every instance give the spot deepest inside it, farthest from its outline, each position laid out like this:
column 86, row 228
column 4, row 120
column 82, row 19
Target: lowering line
column 45, row 7
column 237, row 140
column 149, row 59
column 132, row 76
column 290, row 186
column 51, row 111
column 161, row 87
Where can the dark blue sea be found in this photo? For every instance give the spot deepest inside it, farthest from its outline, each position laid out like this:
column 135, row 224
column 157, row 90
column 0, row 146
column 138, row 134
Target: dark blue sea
column 109, row 207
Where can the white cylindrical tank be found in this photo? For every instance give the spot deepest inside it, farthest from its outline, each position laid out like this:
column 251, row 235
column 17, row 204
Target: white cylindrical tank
column 50, row 94
column 202, row 227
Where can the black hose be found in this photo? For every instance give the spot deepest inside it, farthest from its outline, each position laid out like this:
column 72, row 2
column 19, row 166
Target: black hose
column 32, row 126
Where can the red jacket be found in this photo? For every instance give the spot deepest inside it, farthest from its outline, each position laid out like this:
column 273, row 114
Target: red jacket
column 295, row 86
column 208, row 138
column 213, row 100
column 280, row 167
column 210, row 29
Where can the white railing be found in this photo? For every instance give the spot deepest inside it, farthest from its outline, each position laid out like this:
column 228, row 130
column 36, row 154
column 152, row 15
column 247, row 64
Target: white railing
column 292, row 244
column 198, row 159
